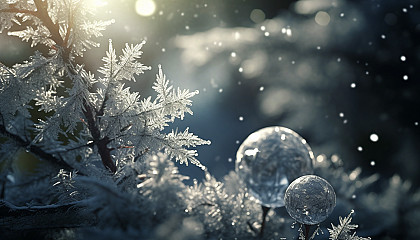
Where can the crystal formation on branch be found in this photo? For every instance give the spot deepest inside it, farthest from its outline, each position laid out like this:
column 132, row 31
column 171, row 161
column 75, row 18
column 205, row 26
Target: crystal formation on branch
column 269, row 159
column 309, row 199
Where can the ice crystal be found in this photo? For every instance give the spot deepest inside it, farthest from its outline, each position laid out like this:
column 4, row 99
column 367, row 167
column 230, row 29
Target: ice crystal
column 343, row 230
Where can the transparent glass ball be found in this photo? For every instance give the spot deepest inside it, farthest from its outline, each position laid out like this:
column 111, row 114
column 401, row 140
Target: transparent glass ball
column 269, row 160
column 309, row 199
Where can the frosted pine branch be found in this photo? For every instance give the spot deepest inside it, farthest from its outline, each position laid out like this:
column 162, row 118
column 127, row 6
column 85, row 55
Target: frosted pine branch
column 343, row 230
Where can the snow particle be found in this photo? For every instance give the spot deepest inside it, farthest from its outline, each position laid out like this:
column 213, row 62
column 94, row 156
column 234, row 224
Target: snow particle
column 233, row 54
column 353, row 85
column 403, row 58
column 359, row 148
column 372, row 163
column 261, row 88
column 341, row 114
column 341, row 14
column 240, row 69
column 287, row 31
column 383, row 36
column 405, row 77
column 374, row 137
column 241, row 118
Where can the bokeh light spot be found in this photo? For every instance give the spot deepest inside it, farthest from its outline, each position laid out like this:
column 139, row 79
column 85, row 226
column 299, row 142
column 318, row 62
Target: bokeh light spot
column 322, row 18
column 257, row 15
column 145, row 7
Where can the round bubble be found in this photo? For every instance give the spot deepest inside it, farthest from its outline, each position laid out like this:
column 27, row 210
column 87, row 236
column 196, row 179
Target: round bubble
column 269, row 160
column 309, row 199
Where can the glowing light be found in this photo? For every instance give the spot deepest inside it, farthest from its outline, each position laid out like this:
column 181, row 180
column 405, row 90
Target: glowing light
column 322, row 18
column 98, row 3
column 145, row 7
column 374, row 137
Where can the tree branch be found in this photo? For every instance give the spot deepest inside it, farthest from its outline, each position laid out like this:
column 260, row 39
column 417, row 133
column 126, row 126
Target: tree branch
column 16, row 10
column 35, row 150
column 68, row 215
column 42, row 14
column 101, row 143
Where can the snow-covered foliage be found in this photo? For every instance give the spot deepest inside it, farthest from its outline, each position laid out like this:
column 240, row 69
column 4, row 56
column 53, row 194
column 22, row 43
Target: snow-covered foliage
column 106, row 115
column 104, row 156
column 343, row 230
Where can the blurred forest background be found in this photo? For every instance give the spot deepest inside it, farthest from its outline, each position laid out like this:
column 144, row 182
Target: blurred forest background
column 343, row 74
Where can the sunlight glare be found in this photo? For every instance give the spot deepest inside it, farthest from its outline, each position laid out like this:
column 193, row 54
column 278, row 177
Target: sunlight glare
column 98, row 3
column 145, row 7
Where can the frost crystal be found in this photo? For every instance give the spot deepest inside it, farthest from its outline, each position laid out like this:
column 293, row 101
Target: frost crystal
column 342, row 231
column 269, row 159
column 309, row 199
